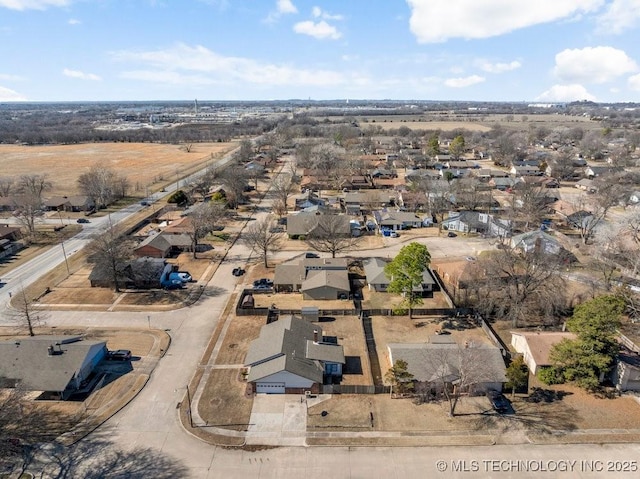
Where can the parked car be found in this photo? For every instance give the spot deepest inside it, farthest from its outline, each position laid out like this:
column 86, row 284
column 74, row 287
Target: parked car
column 238, row 271
column 144, row 203
column 263, row 282
column 261, row 286
column 311, row 255
column 499, row 403
column 82, row 220
column 451, row 234
column 119, row 355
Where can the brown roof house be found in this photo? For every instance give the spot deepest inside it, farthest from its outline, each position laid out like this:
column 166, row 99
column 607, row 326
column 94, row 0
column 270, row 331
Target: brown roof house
column 291, row 355
column 535, row 346
column 315, row 278
column 163, row 245
column 60, row 365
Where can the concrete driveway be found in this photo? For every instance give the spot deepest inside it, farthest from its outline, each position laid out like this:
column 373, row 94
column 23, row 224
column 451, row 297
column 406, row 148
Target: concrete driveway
column 278, row 419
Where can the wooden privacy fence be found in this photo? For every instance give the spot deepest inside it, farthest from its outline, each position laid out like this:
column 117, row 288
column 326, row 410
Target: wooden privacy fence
column 354, row 389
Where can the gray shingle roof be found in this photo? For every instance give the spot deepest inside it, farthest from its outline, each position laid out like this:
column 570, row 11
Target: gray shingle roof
column 431, row 361
column 283, row 346
column 28, row 360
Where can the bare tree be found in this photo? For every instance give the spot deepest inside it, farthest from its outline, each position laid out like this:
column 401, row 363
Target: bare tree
column 519, row 287
column 262, row 239
column 103, row 185
column 234, row 179
column 7, row 185
column 587, row 217
column 28, row 212
column 34, row 185
column 455, row 370
column 25, row 311
column 282, row 188
column 203, row 220
column 529, row 203
column 110, row 251
column 332, row 234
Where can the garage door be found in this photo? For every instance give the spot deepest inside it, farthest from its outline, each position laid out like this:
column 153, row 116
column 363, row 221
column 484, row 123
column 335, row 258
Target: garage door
column 270, row 388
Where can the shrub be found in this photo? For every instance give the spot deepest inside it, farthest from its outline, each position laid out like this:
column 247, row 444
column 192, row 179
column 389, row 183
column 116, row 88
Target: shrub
column 550, row 376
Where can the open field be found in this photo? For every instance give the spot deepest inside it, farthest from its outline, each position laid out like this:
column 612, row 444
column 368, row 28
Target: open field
column 144, row 164
column 475, row 122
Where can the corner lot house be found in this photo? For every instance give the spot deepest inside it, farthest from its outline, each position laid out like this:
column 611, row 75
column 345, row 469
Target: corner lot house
column 55, row 364
column 442, row 360
column 291, row 355
column 535, row 347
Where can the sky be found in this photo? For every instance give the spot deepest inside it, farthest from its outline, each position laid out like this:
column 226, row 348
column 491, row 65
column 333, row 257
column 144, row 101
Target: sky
column 462, row 50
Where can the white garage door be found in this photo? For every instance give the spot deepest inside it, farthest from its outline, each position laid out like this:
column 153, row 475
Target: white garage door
column 270, row 388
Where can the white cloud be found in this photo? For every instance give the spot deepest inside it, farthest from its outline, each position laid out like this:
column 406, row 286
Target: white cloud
column 74, row 21
column 33, row 4
column 186, row 64
column 80, row 75
column 463, row 81
column 10, row 95
column 317, row 12
column 634, row 82
column 566, row 93
column 592, row 65
column 498, row 67
column 7, row 77
column 435, row 21
column 320, row 30
column 619, row 16
column 283, row 7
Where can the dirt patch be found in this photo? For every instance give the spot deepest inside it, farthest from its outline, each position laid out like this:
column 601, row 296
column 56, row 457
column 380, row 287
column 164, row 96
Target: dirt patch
column 224, row 403
column 347, row 330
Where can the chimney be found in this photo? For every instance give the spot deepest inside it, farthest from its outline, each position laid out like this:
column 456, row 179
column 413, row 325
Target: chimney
column 315, row 336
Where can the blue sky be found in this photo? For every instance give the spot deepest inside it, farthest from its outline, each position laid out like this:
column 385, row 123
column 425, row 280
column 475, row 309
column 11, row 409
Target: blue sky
column 491, row 50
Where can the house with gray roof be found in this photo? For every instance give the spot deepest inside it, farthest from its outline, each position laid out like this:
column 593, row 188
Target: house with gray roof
column 61, row 365
column 479, row 367
column 303, row 223
column 378, row 280
column 396, row 220
column 536, row 241
column 315, row 278
column 476, row 222
column 292, row 355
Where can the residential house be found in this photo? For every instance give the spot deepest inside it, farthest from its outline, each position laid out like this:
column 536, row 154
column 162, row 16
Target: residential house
column 525, row 171
column 308, row 199
column 378, row 281
column 475, row 222
column 587, row 185
column 396, row 220
column 291, row 356
column 536, row 241
column 383, row 174
column 413, row 200
column 357, row 202
column 535, row 346
column 442, row 360
column 164, row 245
column 502, row 184
column 303, row 223
column 626, row 373
column 59, row 365
column 141, row 273
column 70, row 203
column 593, row 171
column 11, row 233
column 315, row 278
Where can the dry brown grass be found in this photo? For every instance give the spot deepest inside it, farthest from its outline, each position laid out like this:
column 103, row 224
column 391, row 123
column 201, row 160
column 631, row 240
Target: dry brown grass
column 223, row 402
column 242, row 330
column 139, row 162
